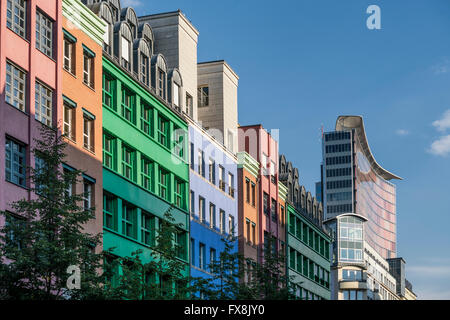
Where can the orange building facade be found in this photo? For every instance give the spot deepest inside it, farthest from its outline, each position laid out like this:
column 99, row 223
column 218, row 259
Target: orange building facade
column 81, row 116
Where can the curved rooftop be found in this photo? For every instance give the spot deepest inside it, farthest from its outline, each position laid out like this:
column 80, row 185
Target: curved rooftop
column 356, row 122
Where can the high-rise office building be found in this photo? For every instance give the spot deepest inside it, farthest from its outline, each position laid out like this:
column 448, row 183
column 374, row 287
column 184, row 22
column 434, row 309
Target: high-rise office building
column 353, row 182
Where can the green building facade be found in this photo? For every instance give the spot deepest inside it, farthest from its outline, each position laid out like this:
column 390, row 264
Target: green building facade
column 308, row 260
column 145, row 166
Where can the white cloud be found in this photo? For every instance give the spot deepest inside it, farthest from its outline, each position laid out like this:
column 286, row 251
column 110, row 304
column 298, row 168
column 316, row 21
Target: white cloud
column 442, row 68
column 441, row 147
column 402, row 132
column 131, row 3
column 444, row 123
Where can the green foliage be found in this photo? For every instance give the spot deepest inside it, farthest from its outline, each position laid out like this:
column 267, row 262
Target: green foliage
column 47, row 235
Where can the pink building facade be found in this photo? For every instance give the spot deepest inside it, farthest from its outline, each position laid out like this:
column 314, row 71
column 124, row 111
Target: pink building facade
column 30, row 87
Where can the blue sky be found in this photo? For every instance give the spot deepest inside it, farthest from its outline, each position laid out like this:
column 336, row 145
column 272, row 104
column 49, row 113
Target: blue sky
column 303, row 63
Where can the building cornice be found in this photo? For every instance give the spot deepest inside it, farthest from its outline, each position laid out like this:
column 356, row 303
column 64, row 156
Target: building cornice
column 83, row 18
column 247, row 162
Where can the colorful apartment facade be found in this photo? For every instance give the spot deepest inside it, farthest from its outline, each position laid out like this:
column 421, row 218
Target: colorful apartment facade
column 263, row 148
column 31, row 88
column 81, row 113
column 145, row 158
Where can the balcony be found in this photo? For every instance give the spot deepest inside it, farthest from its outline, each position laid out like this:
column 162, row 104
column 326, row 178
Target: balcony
column 353, row 284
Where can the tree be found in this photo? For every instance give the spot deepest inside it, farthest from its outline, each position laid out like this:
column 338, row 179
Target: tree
column 268, row 279
column 45, row 235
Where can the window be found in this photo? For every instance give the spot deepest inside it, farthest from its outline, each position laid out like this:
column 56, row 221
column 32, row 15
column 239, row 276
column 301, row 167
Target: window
column 179, row 193
column 39, row 166
column 230, row 141
column 247, row 227
column 266, row 203
column 282, row 215
column 201, row 163
column 16, row 16
column 192, row 251
column 128, row 161
column 163, row 184
column 110, row 211
column 273, row 210
column 88, row 68
column 212, row 215
column 212, row 171
column 180, row 244
column 253, row 194
column 15, row 164
column 192, row 202
column 203, row 96
column 88, row 194
column 144, row 69
column 231, row 185
column 253, row 233
column 192, row 151
column 109, row 151
column 147, row 119
column 189, row 105
column 161, row 84
column 43, row 104
column 222, row 221
column 201, row 208
column 163, row 131
column 108, row 91
column 15, row 86
column 176, row 96
column 13, row 221
column 69, row 53
column 44, row 34
column 147, row 228
column 128, row 101
column 202, row 256
column 178, row 143
column 106, row 37
column 247, row 190
column 221, row 178
column 230, row 224
column 125, row 60
column 88, row 132
column 147, row 174
column 129, row 220
column 212, row 255
column 68, row 121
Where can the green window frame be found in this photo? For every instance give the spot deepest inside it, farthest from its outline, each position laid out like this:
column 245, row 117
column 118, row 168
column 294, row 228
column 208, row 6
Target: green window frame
column 129, row 213
column 311, row 270
column 305, row 266
column 305, row 233
column 163, row 131
column 163, row 184
column 292, row 223
column 147, row 119
column 128, row 162
column 292, row 254
column 109, row 151
column 327, row 250
column 298, row 228
column 180, row 244
column 110, row 211
column 147, row 174
column 311, row 238
column 108, row 91
column 147, row 228
column 128, row 105
column 299, row 262
column 178, row 143
column 179, row 193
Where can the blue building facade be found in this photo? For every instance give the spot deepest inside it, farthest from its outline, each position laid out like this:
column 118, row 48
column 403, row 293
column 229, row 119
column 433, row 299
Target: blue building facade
column 213, row 199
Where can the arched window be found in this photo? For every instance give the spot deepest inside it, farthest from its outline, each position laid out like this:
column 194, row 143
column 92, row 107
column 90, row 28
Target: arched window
column 123, row 43
column 141, row 58
column 174, row 89
column 103, row 11
column 129, row 15
column 146, row 32
column 159, row 75
column 115, row 9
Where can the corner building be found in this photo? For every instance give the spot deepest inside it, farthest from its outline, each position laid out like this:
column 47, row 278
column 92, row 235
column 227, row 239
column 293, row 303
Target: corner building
column 145, row 161
column 308, row 243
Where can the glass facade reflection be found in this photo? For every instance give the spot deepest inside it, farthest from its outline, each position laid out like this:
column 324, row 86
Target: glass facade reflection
column 351, row 245
column 376, row 200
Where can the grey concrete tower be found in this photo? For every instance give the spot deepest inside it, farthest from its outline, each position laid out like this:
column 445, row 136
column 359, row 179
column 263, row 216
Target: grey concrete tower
column 218, row 101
